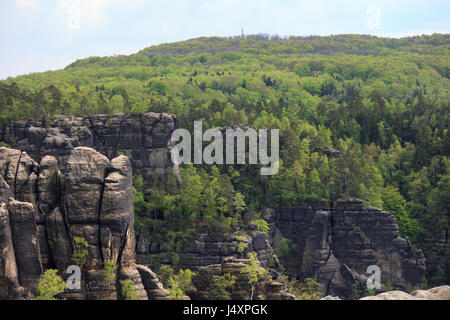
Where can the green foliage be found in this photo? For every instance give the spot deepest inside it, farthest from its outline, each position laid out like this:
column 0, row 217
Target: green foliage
column 175, row 290
column 254, row 272
column 369, row 292
column 50, row 285
column 175, row 213
column 139, row 203
column 165, row 273
column 110, row 268
column 80, row 251
column 356, row 294
column 307, row 290
column 218, row 289
column 128, row 290
column 242, row 245
column 262, row 226
column 389, row 286
column 394, row 202
column 288, row 249
column 178, row 284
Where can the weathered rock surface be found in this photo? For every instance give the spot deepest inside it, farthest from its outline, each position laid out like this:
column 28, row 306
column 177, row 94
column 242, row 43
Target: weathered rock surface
column 438, row 293
column 9, row 280
column 143, row 138
column 42, row 210
column 333, row 246
column 154, row 288
column 336, row 246
column 207, row 249
column 266, row 289
column 25, row 243
column 330, row 298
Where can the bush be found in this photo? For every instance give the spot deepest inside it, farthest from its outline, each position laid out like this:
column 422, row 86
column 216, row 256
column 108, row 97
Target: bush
column 109, row 269
column 80, row 251
column 165, row 273
column 262, row 226
column 180, row 284
column 128, row 290
column 217, row 290
column 254, row 272
column 177, row 284
column 309, row 290
column 50, row 285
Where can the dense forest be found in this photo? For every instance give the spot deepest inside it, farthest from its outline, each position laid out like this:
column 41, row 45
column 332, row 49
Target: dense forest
column 380, row 106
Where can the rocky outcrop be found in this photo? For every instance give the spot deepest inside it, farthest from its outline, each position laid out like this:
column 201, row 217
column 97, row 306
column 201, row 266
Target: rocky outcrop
column 154, row 288
column 335, row 246
column 9, row 279
column 44, row 209
column 266, row 289
column 144, row 139
column 438, row 293
column 208, row 249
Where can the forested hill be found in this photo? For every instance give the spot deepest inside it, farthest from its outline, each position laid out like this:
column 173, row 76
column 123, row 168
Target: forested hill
column 382, row 104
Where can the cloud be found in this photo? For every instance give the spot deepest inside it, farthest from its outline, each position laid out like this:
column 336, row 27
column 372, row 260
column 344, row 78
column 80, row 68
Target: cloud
column 91, row 12
column 27, row 5
column 373, row 17
column 219, row 5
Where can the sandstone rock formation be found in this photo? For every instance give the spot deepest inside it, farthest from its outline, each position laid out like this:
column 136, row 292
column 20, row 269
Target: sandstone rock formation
column 335, row 246
column 152, row 285
column 267, row 289
column 206, row 249
column 43, row 209
column 438, row 293
column 143, row 138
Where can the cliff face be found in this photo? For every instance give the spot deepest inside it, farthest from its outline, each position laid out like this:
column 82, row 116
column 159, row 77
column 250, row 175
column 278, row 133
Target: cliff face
column 144, row 139
column 266, row 289
column 207, row 249
column 42, row 211
column 335, row 246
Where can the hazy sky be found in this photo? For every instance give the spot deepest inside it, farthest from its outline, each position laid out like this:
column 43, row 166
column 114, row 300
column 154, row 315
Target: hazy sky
column 40, row 35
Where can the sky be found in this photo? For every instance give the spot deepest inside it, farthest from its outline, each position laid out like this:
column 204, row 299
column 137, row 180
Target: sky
column 41, row 35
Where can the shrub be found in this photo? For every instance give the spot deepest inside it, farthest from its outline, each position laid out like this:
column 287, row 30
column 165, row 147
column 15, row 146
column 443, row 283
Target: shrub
column 254, row 272
column 217, row 290
column 128, row 290
column 50, row 285
column 262, row 226
column 109, row 269
column 80, row 251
